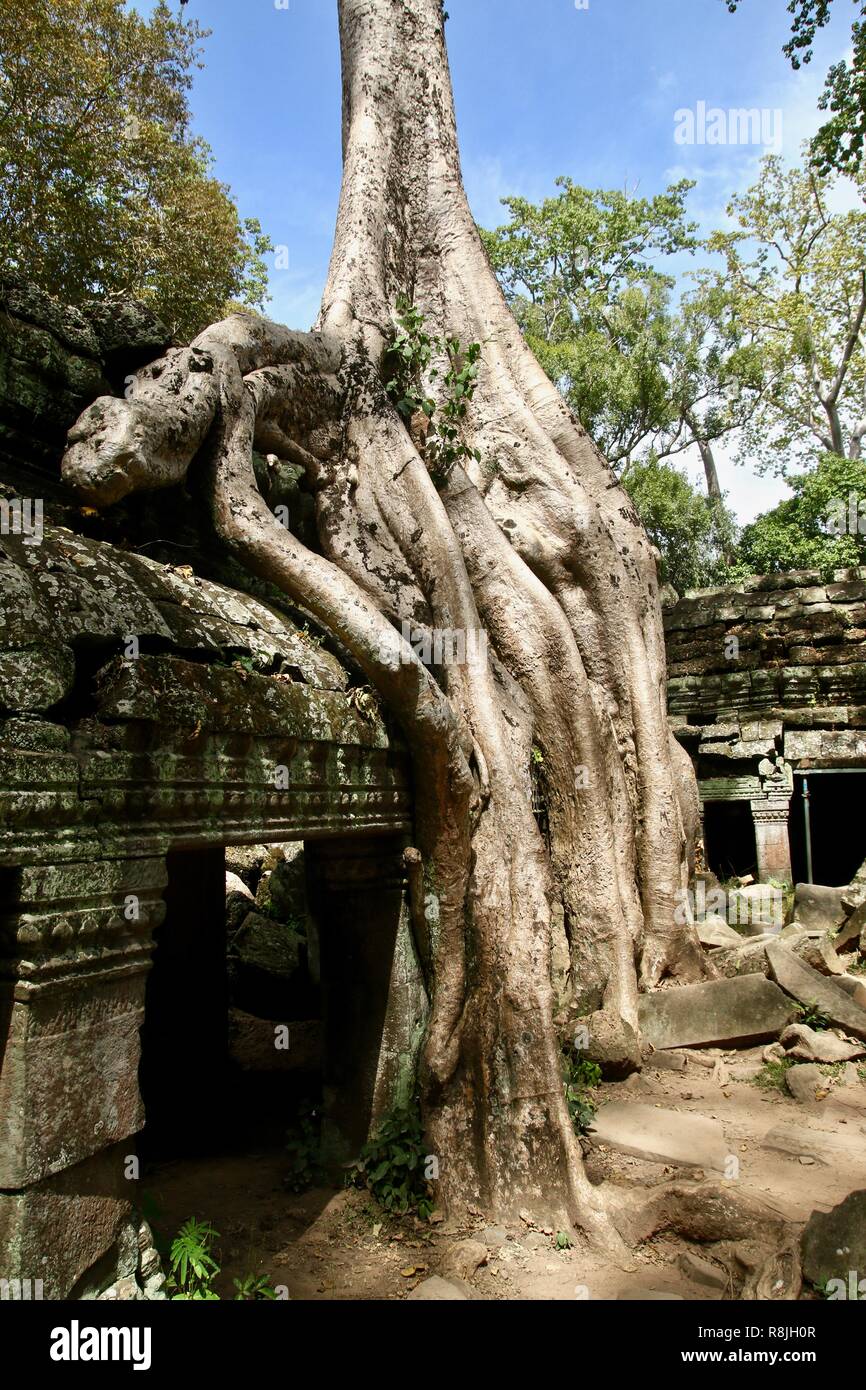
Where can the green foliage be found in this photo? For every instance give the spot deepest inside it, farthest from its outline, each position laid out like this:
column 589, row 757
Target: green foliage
column 304, row 1150
column 563, row 1240
column 811, row 1015
column 104, row 190
column 254, row 1289
column 192, row 1267
column 839, row 144
column 408, row 367
column 578, row 1077
column 391, row 1164
column 802, row 532
column 771, row 1077
column 692, row 532
column 579, row 271
column 795, row 282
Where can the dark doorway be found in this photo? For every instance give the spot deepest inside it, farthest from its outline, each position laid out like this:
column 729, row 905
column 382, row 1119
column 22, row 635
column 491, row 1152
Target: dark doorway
column 184, row 1038
column 231, row 1042
column 729, row 838
column 837, row 802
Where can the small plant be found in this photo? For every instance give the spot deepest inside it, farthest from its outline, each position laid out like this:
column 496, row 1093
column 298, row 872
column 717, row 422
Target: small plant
column 192, row 1267
column 304, row 1150
column 406, row 366
column 812, row 1016
column 254, row 1289
column 391, row 1164
column 579, row 1075
column 563, row 1240
column 771, row 1077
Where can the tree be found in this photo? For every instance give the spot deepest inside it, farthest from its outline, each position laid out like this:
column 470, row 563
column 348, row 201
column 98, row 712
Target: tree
column 796, row 278
column 103, row 189
column 695, row 535
column 578, row 272
column 823, row 526
column 838, row 146
column 468, row 501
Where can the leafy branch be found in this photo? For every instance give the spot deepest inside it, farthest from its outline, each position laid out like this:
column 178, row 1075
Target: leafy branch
column 408, row 367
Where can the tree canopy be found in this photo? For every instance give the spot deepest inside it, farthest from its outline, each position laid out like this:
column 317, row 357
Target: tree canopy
column 104, row 189
column 838, row 145
column 795, row 279
column 641, row 373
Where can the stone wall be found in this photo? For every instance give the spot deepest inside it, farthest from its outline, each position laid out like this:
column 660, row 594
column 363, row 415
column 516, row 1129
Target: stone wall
column 151, row 702
column 767, row 682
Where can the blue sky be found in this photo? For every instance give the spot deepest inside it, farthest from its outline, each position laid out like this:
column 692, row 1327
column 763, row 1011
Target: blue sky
column 542, row 88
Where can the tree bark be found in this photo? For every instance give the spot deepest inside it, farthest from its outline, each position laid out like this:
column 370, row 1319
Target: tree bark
column 537, row 547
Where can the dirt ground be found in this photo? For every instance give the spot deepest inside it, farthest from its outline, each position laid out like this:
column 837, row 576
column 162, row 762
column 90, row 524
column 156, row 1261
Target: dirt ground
column 330, row 1244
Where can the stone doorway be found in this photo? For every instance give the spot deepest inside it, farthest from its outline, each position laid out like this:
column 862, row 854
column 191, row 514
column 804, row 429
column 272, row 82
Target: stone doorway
column 729, row 839
column 837, row 801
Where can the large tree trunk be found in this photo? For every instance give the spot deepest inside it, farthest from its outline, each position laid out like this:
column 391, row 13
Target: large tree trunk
column 537, row 546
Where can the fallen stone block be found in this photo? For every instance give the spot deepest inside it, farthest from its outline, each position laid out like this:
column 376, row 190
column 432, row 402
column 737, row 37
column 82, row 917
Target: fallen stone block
column 661, row 1136
column 747, row 1009
column 819, row 951
column 818, row 1045
column 757, row 908
column 463, row 1258
column 714, row 931
column 797, row 1142
column 810, row 988
column 834, row 1242
column 818, row 907
column 259, row 1044
column 666, row 1061
column 855, row 985
column 807, row 1083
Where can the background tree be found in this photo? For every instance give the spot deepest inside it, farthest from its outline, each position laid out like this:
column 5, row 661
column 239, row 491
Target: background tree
column 795, row 278
column 103, row 188
column 823, row 526
column 696, row 536
column 641, row 375
column 468, row 500
column 838, row 146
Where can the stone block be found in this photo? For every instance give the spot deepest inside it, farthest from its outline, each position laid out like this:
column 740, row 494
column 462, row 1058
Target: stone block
column 60, row 1228
column 806, row 985
column 746, row 1009
column 661, row 1136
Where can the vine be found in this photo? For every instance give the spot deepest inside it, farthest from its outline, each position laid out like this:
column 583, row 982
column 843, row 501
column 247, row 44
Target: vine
column 436, row 427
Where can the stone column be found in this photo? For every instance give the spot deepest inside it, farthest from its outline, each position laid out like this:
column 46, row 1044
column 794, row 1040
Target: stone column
column 770, row 815
column 75, row 941
column 373, row 997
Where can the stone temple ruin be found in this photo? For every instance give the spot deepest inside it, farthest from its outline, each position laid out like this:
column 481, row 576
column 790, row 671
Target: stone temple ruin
column 767, row 692
column 207, row 884
column 155, row 722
